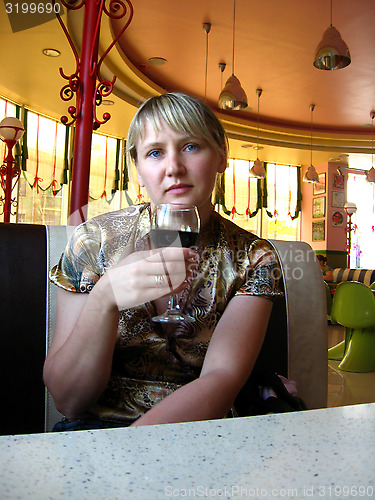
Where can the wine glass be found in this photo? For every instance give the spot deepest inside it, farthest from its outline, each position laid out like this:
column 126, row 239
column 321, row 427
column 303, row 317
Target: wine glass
column 174, row 225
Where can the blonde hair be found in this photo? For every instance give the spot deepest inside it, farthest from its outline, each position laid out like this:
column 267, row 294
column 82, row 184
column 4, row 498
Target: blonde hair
column 183, row 114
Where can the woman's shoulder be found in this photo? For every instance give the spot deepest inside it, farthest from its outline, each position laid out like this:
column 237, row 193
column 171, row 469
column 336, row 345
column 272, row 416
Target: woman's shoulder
column 232, row 230
column 115, row 227
column 127, row 214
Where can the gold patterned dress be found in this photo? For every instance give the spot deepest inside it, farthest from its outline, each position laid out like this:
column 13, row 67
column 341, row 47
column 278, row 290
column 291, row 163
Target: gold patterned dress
column 152, row 360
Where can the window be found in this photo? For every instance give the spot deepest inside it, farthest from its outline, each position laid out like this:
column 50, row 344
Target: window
column 282, row 189
column 277, row 217
column 362, row 193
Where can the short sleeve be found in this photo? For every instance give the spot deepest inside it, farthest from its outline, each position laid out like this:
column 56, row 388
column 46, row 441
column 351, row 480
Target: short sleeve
column 263, row 275
column 80, row 265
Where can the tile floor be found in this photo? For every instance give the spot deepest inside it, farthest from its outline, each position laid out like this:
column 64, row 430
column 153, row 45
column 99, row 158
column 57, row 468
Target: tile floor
column 347, row 388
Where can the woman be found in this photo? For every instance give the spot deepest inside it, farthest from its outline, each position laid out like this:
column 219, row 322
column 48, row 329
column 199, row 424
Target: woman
column 109, row 364
column 326, row 270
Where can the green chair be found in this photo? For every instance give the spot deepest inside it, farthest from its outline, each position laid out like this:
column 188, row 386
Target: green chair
column 372, row 286
column 353, row 306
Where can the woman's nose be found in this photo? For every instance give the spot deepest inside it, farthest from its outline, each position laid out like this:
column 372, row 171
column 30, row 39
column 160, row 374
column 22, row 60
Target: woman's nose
column 175, row 165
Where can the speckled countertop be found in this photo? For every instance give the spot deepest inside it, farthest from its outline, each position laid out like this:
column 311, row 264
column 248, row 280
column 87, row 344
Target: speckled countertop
column 311, row 454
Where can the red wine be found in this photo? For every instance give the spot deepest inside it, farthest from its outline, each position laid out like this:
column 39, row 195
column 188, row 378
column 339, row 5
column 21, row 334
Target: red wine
column 166, row 238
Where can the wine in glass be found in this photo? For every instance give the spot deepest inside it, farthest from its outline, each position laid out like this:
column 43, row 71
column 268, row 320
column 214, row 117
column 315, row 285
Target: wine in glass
column 174, row 225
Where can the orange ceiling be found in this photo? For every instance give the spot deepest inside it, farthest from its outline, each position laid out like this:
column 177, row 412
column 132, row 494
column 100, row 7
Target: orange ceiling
column 275, row 42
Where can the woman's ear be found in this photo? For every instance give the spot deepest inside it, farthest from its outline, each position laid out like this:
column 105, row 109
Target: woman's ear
column 223, row 161
column 140, row 180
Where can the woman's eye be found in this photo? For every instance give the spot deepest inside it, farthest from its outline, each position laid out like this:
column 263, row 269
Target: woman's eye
column 191, row 147
column 155, row 153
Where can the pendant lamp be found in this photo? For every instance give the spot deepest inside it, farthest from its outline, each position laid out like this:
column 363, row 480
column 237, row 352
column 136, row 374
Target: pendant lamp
column 258, row 169
column 207, row 29
column 311, row 174
column 332, row 52
column 370, row 176
column 233, row 96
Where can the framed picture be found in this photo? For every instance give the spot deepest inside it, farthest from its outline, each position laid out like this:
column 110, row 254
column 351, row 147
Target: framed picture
column 338, row 199
column 338, row 181
column 319, row 231
column 338, row 219
column 320, row 186
column 319, row 207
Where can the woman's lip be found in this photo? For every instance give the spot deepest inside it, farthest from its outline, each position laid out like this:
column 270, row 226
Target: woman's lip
column 179, row 189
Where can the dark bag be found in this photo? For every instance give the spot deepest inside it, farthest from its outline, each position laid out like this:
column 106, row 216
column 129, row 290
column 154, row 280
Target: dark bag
column 250, row 401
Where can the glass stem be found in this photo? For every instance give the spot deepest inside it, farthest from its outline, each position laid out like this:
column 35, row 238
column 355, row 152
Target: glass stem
column 173, row 303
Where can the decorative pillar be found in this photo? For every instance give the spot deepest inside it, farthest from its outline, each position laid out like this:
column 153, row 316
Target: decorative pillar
column 11, row 130
column 87, row 84
column 350, row 209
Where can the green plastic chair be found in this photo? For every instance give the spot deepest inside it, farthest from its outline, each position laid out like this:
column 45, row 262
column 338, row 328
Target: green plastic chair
column 372, row 286
column 328, row 301
column 353, row 306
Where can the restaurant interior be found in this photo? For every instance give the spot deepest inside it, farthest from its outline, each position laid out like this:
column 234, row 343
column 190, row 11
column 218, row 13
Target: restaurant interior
column 289, row 117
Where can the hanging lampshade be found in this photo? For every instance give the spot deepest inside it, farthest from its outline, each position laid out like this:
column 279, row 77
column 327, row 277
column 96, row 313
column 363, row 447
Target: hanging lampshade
column 332, row 52
column 311, row 175
column 370, row 176
column 233, row 96
column 258, row 169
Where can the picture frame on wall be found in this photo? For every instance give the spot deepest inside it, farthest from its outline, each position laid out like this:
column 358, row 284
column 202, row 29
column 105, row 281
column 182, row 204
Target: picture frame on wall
column 338, row 219
column 320, row 186
column 318, row 231
column 338, row 181
column 338, row 199
column 319, row 207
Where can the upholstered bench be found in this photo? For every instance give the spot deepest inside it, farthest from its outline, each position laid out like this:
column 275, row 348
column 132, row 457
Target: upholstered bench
column 366, row 276
column 295, row 344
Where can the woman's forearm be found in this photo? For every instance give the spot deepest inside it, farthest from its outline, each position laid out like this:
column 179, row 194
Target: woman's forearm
column 208, row 397
column 77, row 372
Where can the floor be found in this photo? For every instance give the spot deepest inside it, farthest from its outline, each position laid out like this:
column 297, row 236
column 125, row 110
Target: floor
column 347, row 388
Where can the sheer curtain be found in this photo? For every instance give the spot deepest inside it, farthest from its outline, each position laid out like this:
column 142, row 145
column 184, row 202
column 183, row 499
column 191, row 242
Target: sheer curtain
column 268, row 207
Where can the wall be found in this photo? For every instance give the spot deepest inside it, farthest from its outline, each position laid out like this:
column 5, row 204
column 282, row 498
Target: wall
column 332, row 229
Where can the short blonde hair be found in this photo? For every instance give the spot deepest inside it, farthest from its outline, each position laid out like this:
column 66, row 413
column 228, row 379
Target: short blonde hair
column 183, row 114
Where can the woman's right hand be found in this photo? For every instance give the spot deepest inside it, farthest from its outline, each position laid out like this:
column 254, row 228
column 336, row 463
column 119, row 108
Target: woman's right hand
column 147, row 275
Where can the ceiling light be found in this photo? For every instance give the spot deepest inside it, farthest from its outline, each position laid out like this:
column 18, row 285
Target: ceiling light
column 311, row 174
column 233, row 96
column 258, row 168
column 51, row 52
column 370, row 176
column 157, row 61
column 332, row 52
column 207, row 29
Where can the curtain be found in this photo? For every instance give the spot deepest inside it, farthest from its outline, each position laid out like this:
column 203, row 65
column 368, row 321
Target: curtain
column 44, row 149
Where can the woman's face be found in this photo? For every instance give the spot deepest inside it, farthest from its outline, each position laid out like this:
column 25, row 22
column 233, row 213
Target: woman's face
column 178, row 168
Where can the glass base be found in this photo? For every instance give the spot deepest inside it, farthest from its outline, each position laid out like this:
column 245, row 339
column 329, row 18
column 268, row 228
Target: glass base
column 173, row 316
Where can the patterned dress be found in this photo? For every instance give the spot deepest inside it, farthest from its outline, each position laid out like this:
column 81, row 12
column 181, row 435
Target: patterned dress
column 152, row 360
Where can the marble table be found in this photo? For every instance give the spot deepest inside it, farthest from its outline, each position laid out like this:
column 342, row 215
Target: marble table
column 328, row 453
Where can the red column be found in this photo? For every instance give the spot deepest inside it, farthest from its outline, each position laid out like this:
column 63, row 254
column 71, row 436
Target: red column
column 84, row 124
column 9, row 174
